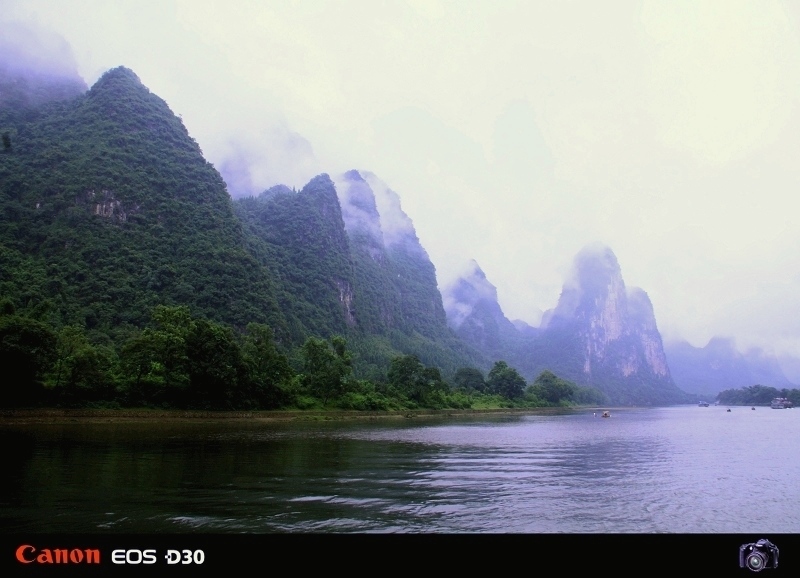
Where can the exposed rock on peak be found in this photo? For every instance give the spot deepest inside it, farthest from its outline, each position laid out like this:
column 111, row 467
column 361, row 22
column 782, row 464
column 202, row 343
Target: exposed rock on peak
column 605, row 335
column 595, row 277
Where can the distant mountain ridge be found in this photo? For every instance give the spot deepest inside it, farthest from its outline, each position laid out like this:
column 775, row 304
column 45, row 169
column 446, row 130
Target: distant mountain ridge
column 600, row 334
column 605, row 335
column 719, row 366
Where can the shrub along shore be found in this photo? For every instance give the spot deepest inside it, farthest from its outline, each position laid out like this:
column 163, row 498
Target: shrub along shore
column 111, row 415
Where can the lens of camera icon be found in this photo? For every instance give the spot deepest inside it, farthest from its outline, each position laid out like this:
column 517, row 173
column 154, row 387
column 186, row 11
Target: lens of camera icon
column 756, row 561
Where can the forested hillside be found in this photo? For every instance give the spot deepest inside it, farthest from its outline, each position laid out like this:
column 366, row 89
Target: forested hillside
column 127, row 278
column 300, row 239
column 109, row 209
column 336, row 273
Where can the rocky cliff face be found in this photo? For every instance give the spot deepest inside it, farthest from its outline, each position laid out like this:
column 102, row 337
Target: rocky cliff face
column 642, row 325
column 607, row 334
column 601, row 333
column 377, row 298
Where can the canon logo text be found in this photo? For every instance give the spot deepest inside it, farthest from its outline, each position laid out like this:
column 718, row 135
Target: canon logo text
column 28, row 554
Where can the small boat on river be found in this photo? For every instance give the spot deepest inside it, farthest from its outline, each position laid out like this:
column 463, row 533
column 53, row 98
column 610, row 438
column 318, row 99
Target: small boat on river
column 781, row 403
column 606, row 414
column 703, row 404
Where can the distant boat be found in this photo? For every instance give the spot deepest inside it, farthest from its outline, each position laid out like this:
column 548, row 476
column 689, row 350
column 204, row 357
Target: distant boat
column 781, row 403
column 703, row 404
column 606, row 414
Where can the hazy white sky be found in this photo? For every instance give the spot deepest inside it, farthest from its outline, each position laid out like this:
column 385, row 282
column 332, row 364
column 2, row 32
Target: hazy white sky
column 515, row 132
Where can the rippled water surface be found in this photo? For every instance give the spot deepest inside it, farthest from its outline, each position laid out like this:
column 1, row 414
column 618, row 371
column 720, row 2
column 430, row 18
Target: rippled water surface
column 680, row 469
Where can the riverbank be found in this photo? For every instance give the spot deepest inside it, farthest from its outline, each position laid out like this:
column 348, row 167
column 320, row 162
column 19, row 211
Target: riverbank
column 113, row 415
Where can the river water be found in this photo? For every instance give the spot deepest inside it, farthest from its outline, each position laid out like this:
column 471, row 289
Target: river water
column 677, row 470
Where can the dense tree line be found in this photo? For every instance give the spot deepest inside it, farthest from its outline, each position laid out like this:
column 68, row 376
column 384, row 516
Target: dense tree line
column 757, row 395
column 186, row 362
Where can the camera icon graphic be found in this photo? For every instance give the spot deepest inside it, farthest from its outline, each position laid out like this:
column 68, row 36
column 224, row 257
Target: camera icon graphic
column 756, row 557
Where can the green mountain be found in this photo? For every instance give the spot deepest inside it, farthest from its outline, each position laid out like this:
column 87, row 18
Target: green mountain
column 108, row 208
column 109, row 212
column 300, row 239
column 341, row 267
column 398, row 302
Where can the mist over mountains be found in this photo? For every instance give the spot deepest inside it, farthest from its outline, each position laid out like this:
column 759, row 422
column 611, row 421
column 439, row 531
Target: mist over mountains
column 341, row 268
column 604, row 334
column 719, row 366
column 600, row 334
column 476, row 316
column 36, row 67
column 110, row 208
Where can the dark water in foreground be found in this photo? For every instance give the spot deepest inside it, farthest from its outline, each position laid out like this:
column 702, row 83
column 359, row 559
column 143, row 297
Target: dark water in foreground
column 680, row 469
